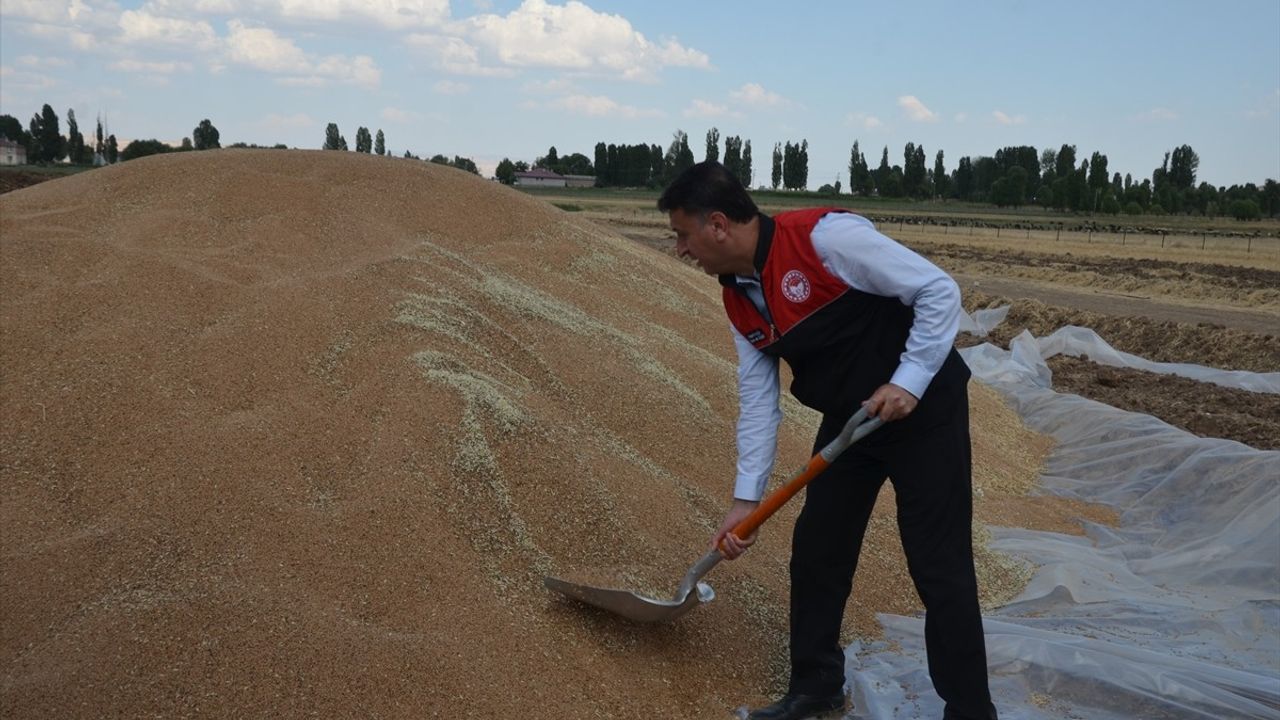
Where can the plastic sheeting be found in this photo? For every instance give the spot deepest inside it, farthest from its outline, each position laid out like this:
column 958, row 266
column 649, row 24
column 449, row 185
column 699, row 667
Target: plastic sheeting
column 1175, row 613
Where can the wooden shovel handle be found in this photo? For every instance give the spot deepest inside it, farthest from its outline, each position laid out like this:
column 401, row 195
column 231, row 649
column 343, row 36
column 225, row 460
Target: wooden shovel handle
column 854, row 430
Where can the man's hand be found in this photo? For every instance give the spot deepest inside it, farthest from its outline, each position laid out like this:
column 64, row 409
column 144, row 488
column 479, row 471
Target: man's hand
column 734, row 545
column 890, row 402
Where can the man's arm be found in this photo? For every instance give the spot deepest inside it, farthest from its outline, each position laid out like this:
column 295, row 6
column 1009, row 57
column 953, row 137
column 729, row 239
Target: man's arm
column 853, row 250
column 758, row 418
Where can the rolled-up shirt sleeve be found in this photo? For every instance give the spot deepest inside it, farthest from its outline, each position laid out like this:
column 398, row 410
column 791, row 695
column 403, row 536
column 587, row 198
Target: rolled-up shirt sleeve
column 853, row 250
column 758, row 418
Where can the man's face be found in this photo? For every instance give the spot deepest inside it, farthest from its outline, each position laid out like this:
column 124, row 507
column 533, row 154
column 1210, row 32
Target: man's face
column 701, row 240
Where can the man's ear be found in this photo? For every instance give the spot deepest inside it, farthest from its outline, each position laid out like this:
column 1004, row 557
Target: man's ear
column 719, row 222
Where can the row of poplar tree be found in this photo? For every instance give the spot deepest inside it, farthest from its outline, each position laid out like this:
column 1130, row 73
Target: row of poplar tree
column 377, row 145
column 45, row 143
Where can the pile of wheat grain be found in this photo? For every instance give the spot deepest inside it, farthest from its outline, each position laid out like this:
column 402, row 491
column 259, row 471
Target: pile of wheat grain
column 295, row 433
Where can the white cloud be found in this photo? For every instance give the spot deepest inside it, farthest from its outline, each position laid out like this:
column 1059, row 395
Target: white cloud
column 262, row 49
column 863, row 120
column 755, row 95
column 961, row 117
column 25, row 80
column 1004, row 119
column 397, row 115
column 455, row 55
column 44, row 62
column 449, row 87
column 575, row 37
column 704, row 109
column 153, row 68
column 916, row 110
column 601, row 106
column 274, row 121
column 1156, row 115
column 556, row 86
column 47, row 11
column 392, row 14
column 137, row 27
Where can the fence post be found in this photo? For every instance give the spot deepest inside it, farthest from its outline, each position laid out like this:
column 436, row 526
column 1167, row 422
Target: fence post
column 1028, row 233
column 1059, row 235
column 997, row 233
column 1202, row 241
column 1249, row 247
column 1161, row 239
column 1124, row 236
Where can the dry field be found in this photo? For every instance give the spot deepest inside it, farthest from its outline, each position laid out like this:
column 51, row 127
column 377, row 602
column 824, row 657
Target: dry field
column 295, row 433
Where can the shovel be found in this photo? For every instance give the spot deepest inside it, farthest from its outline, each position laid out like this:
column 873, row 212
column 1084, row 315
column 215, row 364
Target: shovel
column 692, row 593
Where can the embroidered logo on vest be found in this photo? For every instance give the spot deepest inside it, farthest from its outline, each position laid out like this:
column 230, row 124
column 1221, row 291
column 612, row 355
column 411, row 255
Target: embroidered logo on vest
column 795, row 286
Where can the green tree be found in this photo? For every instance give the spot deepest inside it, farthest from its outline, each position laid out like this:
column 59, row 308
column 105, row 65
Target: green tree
column 1245, row 210
column 1098, row 178
column 964, row 179
column 439, row 159
column 776, row 175
column 364, row 141
column 332, row 138
column 113, row 149
column 206, row 136
column 549, row 162
column 380, row 143
column 46, row 136
column 100, row 147
column 1182, row 168
column 576, row 164
column 744, row 172
column 143, row 148
column 713, row 145
column 939, row 176
column 11, row 128
column 881, row 173
column 733, row 155
column 76, row 150
column 859, row 174
column 679, row 157
column 1066, row 161
column 506, row 172
column 465, row 164
column 186, row 145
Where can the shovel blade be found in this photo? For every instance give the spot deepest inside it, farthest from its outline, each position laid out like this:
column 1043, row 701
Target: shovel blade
column 630, row 605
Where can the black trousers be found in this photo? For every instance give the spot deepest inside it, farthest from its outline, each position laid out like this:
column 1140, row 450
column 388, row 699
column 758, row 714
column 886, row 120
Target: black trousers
column 931, row 474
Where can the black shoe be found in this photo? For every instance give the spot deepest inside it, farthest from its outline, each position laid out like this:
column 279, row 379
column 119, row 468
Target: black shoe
column 799, row 707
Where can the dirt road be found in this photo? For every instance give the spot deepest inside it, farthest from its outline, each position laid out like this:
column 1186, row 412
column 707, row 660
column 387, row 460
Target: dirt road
column 1114, row 303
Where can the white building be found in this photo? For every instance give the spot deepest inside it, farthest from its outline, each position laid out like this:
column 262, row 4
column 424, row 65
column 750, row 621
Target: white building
column 539, row 177
column 12, row 153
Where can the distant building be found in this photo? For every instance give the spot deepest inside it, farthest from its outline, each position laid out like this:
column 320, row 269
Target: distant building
column 12, row 153
column 580, row 180
column 540, row 177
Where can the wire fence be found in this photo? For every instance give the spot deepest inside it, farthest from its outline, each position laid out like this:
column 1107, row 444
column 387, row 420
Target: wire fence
column 1199, row 241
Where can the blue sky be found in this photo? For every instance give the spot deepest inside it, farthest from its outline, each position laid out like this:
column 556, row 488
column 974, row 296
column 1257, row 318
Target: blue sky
column 489, row 79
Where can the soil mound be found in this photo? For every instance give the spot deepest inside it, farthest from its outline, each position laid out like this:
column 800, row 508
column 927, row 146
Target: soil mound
column 295, row 432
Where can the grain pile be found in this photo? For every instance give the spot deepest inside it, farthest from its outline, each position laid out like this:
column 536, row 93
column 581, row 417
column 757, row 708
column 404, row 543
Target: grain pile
column 299, row 433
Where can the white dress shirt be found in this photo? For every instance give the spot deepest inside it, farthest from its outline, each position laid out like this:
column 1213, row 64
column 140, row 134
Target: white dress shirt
column 850, row 248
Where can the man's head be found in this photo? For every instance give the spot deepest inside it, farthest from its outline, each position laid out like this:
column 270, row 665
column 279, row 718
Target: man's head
column 713, row 218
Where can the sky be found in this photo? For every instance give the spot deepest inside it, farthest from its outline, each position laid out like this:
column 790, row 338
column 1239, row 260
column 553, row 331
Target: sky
column 488, row 79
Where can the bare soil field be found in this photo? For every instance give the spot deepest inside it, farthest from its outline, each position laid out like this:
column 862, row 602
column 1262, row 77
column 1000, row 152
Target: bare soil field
column 295, row 433
column 1198, row 307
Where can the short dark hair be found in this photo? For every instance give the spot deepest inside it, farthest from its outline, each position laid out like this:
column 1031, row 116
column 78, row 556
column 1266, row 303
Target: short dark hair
column 709, row 187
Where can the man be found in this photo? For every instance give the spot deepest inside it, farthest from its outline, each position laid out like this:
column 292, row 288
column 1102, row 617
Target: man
column 861, row 320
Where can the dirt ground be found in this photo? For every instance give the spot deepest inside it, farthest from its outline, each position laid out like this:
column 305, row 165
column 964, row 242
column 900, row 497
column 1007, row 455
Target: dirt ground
column 1224, row 315
column 297, row 433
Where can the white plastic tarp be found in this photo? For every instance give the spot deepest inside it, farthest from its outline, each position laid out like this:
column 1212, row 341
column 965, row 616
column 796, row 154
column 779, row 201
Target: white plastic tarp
column 1174, row 613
